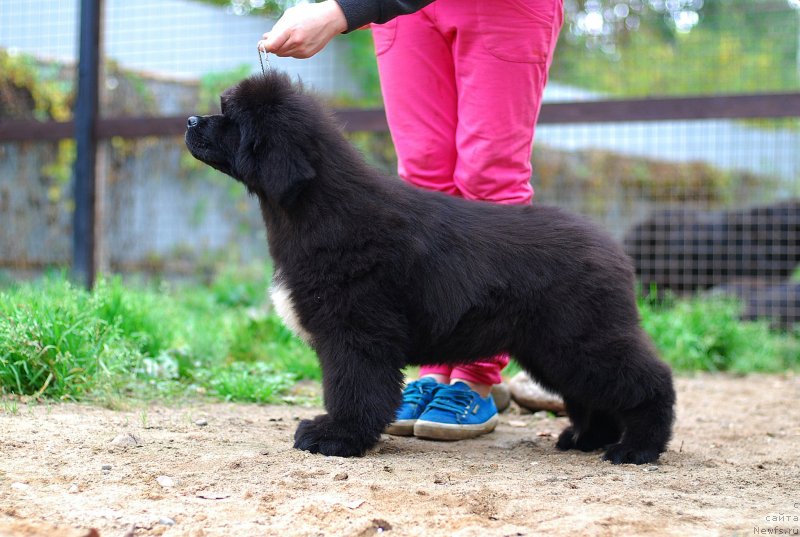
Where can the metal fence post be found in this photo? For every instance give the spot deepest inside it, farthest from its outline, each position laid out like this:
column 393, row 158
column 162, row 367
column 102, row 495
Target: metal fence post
column 86, row 112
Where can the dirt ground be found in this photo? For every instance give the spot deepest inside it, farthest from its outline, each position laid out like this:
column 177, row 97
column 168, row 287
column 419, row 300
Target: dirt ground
column 733, row 468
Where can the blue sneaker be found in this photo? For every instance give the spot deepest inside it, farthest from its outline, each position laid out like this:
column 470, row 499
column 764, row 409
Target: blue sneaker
column 456, row 412
column 416, row 397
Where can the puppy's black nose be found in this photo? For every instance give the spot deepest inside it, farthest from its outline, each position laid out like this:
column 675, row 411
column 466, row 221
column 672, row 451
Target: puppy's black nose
column 191, row 122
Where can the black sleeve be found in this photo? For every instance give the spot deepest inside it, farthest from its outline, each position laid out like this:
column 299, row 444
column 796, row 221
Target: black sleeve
column 361, row 12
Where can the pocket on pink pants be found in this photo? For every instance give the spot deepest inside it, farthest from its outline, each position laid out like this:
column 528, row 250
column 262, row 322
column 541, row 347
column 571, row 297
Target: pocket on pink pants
column 383, row 35
column 519, row 30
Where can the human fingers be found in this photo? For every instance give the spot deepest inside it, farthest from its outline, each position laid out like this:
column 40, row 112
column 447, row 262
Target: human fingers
column 304, row 30
column 275, row 41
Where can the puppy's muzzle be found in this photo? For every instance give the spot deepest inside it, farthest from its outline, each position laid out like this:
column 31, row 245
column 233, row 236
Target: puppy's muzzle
column 192, row 121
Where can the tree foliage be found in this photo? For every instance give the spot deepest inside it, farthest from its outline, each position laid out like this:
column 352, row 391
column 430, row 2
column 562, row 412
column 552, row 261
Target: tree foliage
column 715, row 46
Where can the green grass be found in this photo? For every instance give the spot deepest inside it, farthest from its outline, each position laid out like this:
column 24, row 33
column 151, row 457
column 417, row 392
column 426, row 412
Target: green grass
column 129, row 342
column 705, row 334
column 53, row 342
column 148, row 341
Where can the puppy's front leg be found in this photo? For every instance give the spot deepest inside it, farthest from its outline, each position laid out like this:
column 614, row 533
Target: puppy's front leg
column 362, row 393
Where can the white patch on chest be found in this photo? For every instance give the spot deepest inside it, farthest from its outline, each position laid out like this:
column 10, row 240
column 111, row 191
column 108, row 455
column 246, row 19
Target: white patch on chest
column 282, row 301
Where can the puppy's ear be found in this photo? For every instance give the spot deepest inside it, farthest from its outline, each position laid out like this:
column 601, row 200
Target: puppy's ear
column 278, row 170
column 285, row 174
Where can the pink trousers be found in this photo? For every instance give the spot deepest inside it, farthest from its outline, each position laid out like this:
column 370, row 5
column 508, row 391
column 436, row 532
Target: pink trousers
column 462, row 83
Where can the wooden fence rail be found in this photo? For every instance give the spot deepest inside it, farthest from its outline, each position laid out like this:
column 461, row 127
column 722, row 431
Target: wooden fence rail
column 771, row 106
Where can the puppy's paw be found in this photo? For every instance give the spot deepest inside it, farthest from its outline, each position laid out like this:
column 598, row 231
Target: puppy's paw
column 625, row 454
column 590, row 440
column 329, row 437
column 566, row 440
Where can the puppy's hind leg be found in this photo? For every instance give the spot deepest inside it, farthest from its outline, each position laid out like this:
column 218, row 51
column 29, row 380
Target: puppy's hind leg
column 648, row 428
column 646, row 399
column 620, row 397
column 589, row 430
column 362, row 393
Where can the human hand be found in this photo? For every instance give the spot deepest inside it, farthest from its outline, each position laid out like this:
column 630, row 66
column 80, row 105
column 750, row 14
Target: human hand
column 304, row 30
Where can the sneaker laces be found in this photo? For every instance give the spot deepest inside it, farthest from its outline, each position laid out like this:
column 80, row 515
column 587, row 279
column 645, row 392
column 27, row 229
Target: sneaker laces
column 451, row 400
column 414, row 393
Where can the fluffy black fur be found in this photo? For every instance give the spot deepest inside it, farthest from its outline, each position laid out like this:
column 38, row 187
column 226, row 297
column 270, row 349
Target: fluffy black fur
column 686, row 250
column 383, row 275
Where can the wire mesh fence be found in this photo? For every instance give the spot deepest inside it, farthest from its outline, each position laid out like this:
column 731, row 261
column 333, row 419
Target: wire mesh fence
column 706, row 203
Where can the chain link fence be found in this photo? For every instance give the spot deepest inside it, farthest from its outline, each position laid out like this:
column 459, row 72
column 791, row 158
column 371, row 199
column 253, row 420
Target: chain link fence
column 676, row 125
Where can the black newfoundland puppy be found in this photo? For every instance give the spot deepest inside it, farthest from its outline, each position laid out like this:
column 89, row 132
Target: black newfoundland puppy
column 377, row 275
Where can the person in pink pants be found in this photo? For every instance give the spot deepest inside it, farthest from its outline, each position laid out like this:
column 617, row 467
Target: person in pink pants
column 462, row 83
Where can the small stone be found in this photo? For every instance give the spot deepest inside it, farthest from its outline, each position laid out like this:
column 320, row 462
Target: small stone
column 125, row 440
column 517, row 423
column 165, row 481
column 106, row 467
column 341, row 476
column 74, row 489
column 166, row 521
column 201, row 422
column 355, row 504
column 651, row 469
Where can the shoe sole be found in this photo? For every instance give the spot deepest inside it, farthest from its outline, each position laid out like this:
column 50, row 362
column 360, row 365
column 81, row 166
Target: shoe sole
column 401, row 428
column 432, row 430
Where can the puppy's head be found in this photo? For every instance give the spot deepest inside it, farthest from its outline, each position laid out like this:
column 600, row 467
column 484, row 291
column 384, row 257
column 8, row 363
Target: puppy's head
column 264, row 137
